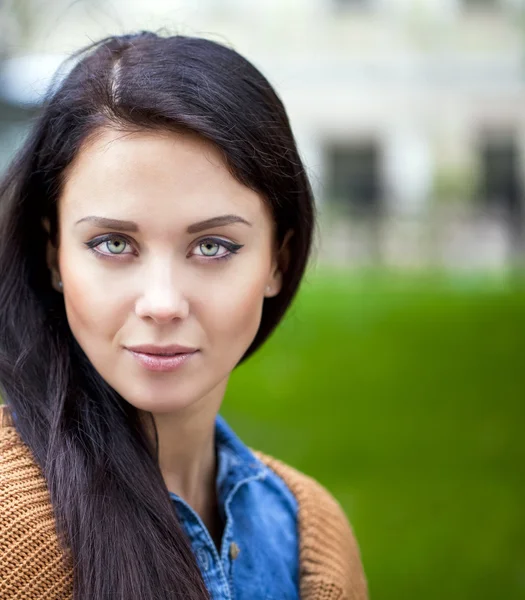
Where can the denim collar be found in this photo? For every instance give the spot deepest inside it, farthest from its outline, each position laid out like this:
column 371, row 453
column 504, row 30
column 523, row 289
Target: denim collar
column 236, row 464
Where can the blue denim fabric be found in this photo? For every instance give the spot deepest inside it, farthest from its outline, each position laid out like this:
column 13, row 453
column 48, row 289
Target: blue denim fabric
column 260, row 517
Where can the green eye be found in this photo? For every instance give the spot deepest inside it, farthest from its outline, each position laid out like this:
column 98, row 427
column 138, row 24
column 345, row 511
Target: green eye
column 116, row 246
column 209, row 248
column 216, row 249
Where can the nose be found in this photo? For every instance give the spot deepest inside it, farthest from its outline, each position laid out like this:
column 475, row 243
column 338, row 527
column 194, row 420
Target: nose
column 162, row 299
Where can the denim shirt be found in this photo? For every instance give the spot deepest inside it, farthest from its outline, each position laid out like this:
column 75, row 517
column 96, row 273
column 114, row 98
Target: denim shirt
column 259, row 550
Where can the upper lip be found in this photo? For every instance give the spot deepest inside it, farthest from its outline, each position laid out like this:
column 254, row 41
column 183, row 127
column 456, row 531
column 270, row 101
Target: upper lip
column 166, row 350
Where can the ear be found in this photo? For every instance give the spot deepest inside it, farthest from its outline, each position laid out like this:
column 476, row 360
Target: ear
column 52, row 258
column 279, row 267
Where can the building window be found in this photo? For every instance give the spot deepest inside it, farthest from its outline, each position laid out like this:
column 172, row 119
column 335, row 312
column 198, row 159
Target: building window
column 481, row 5
column 343, row 5
column 15, row 122
column 353, row 177
column 501, row 185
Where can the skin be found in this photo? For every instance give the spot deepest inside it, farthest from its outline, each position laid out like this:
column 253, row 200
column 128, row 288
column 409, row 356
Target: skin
column 159, row 285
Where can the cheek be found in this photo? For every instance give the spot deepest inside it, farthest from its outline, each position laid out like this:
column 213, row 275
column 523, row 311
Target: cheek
column 93, row 313
column 234, row 307
column 235, row 313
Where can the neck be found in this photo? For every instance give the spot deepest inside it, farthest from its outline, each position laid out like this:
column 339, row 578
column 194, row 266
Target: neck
column 186, row 453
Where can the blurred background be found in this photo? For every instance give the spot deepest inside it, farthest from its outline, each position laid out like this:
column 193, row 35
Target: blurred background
column 397, row 378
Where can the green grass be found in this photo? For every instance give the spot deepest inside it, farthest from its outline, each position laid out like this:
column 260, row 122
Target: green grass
column 405, row 397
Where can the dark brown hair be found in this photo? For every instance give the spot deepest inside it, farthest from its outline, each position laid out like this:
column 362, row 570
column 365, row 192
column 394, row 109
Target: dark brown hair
column 113, row 511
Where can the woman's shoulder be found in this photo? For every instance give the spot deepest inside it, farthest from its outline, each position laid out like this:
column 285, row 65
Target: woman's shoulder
column 31, row 559
column 21, row 480
column 329, row 554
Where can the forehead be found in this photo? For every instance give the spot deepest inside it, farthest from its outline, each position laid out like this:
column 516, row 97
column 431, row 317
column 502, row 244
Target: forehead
column 155, row 177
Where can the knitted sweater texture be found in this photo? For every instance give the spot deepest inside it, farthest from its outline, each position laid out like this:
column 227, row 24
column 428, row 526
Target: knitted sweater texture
column 33, row 566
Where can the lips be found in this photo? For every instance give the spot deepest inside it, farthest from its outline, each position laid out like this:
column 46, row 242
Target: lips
column 161, row 350
column 161, row 358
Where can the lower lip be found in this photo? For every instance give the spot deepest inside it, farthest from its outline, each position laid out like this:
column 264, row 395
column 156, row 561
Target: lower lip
column 156, row 362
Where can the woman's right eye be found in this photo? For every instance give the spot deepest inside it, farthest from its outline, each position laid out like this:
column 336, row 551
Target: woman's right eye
column 110, row 245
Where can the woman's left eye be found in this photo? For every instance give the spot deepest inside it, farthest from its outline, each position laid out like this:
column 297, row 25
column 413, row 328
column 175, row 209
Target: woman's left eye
column 211, row 247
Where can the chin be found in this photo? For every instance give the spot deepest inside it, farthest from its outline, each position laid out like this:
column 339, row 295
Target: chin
column 161, row 392
column 158, row 405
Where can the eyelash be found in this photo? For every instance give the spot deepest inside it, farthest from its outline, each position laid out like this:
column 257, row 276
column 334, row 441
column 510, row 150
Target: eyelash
column 92, row 245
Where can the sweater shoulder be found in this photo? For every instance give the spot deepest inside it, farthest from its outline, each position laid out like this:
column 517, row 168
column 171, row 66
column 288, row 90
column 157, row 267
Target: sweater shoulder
column 330, row 558
column 30, row 557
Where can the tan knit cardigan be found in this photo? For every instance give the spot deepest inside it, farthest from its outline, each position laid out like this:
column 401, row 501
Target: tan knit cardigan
column 32, row 565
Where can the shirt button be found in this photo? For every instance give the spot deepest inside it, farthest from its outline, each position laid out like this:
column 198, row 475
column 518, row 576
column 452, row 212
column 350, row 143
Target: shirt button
column 202, row 559
column 234, row 550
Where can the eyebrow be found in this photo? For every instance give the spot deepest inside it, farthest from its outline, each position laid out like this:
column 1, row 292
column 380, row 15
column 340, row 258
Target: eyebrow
column 217, row 222
column 119, row 225
column 105, row 223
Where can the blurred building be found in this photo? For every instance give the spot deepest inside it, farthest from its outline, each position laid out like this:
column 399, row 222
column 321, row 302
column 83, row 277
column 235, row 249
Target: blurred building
column 410, row 114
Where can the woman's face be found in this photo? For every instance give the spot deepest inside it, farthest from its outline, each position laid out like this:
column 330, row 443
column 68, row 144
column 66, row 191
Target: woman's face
column 159, row 246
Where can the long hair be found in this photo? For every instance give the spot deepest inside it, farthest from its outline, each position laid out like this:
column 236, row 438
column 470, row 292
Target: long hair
column 113, row 512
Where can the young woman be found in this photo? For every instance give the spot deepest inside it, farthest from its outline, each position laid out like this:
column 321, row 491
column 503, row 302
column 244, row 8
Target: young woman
column 154, row 229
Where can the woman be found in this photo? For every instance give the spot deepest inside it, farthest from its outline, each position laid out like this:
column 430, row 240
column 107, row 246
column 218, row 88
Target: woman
column 155, row 227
